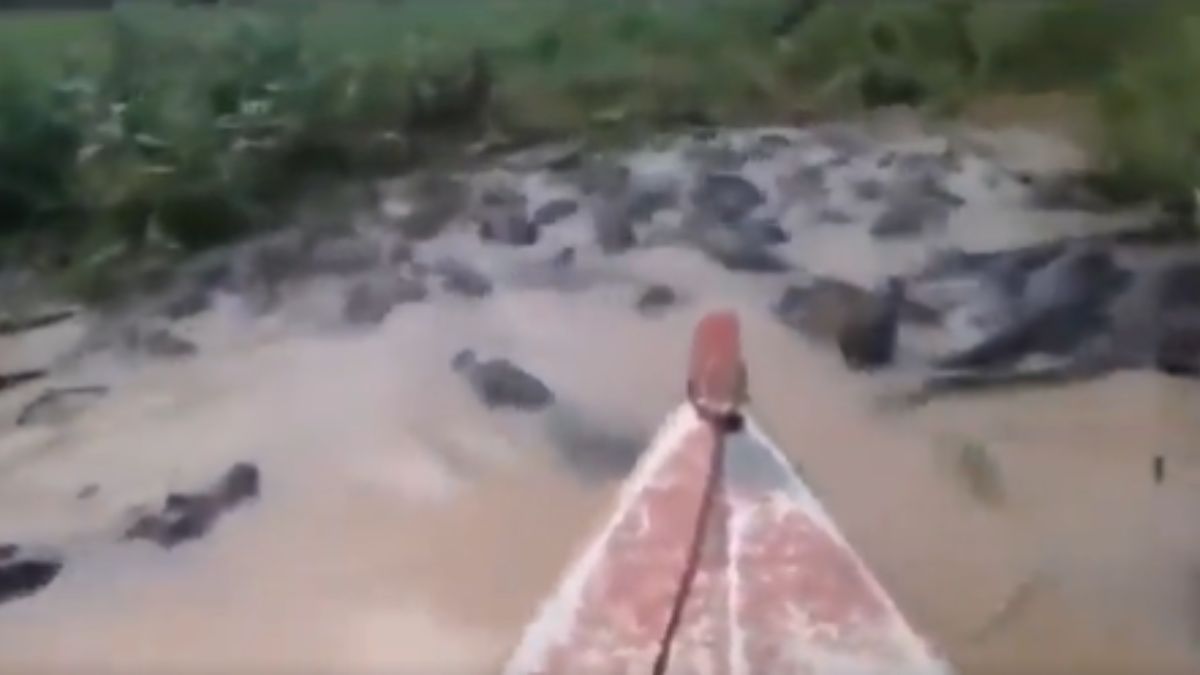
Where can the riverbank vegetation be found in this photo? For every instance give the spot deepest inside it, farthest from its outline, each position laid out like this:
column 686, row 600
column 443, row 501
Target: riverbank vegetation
column 180, row 127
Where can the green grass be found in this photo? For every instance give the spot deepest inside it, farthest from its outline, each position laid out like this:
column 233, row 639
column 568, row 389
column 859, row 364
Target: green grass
column 157, row 126
column 39, row 40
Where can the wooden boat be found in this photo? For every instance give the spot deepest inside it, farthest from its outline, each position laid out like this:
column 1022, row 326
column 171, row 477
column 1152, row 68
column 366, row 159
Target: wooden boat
column 718, row 560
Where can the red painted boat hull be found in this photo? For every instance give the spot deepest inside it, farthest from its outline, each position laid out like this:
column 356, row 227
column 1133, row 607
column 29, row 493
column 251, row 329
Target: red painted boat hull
column 718, row 560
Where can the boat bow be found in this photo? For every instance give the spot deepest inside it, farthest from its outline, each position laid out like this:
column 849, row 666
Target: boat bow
column 718, row 560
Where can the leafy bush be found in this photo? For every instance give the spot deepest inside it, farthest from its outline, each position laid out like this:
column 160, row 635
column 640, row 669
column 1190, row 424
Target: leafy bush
column 171, row 127
column 1151, row 108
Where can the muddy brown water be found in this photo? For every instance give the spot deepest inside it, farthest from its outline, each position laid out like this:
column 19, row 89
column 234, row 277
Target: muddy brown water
column 405, row 528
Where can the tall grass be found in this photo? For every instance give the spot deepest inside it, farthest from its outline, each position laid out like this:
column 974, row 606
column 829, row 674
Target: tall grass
column 178, row 128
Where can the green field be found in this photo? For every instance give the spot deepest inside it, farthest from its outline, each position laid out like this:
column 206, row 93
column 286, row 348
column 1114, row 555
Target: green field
column 195, row 125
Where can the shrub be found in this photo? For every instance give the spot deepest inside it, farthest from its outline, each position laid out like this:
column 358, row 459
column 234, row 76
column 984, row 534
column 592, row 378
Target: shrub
column 192, row 126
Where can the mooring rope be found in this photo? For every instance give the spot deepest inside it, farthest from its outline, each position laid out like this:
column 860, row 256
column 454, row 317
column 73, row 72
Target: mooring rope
column 692, row 564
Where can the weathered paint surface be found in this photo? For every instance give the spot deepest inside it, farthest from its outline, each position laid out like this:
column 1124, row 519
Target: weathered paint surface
column 774, row 586
column 716, row 372
column 613, row 607
column 805, row 601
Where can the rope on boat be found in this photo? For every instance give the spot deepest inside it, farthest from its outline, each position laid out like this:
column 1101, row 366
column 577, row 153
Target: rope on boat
column 699, row 535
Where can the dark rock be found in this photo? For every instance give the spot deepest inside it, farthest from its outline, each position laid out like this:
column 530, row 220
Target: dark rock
column 909, row 215
column 1180, row 287
column 262, row 299
column 867, row 339
column 717, row 156
column 797, row 309
column 935, row 191
column 212, row 270
column 834, row 217
column 462, row 279
column 1178, row 350
column 556, row 156
column 1064, row 192
column 656, row 298
column 1012, row 264
column 613, row 225
column 16, row 378
column 868, row 190
column 775, row 141
column 508, row 226
column 615, row 216
column 22, row 576
column 928, row 164
column 420, row 269
column 1063, row 306
column 919, row 312
column 1085, row 275
column 1165, row 230
column 499, row 195
column 765, row 231
column 187, row 301
column 727, row 197
column 915, row 204
column 837, row 161
column 369, row 301
column 738, row 251
column 272, row 261
column 87, row 491
column 644, row 204
column 844, row 139
column 188, row 516
column 564, row 259
column 59, row 404
column 1054, row 372
column 439, row 199
column 685, row 115
column 11, row 325
column 344, row 256
column 258, row 272
column 8, row 551
column 464, row 361
column 406, row 289
column 661, row 236
column 501, row 384
column 603, row 178
column 821, row 308
column 1047, row 332
column 161, row 342
column 241, row 482
column 400, row 252
column 150, row 274
column 553, row 211
column 768, row 144
column 806, row 184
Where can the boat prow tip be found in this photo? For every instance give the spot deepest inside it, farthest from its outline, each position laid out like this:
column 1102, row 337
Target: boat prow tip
column 717, row 382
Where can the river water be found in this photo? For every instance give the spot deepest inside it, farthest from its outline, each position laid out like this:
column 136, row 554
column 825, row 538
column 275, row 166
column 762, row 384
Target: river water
column 404, row 527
